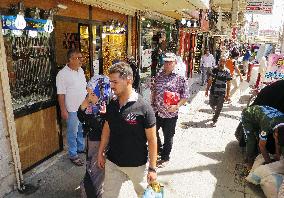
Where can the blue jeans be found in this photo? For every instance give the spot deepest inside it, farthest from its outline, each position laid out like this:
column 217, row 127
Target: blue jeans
column 75, row 139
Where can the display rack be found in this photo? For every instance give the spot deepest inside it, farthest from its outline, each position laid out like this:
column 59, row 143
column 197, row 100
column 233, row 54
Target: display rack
column 198, row 52
column 85, row 49
column 113, row 49
column 31, row 79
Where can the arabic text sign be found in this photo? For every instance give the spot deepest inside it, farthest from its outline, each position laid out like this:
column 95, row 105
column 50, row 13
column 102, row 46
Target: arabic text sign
column 259, row 6
column 275, row 69
column 253, row 28
column 8, row 22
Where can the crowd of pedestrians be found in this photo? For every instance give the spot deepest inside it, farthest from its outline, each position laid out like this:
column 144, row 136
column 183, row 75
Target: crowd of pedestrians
column 122, row 131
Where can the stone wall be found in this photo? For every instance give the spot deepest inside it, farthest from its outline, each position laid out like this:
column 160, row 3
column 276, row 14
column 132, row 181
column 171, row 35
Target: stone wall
column 7, row 171
column 7, row 175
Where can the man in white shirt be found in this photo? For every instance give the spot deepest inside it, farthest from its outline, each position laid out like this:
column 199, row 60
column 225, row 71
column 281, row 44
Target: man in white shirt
column 207, row 62
column 71, row 90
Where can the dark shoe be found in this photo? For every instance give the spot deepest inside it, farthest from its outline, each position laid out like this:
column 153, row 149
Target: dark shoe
column 81, row 151
column 162, row 163
column 213, row 124
column 77, row 161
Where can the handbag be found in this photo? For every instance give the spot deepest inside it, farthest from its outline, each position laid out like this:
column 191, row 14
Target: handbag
column 154, row 190
column 171, row 98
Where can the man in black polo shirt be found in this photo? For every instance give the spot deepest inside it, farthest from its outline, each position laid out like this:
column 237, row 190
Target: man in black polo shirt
column 130, row 124
column 219, row 83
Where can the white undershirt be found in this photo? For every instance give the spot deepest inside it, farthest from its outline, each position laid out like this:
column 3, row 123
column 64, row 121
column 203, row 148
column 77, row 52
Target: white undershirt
column 72, row 84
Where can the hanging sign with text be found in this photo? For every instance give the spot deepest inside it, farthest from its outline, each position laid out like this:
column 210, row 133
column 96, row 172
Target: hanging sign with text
column 8, row 22
column 259, row 6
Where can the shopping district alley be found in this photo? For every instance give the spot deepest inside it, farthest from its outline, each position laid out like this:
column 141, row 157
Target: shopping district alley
column 205, row 161
column 63, row 64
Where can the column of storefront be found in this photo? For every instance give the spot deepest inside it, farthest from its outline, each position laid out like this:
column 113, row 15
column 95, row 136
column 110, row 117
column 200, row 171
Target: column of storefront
column 37, row 124
column 9, row 172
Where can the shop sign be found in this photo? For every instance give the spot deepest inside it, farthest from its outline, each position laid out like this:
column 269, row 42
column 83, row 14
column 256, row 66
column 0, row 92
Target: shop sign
column 268, row 33
column 259, row 6
column 71, row 40
column 275, row 68
column 253, row 28
column 8, row 23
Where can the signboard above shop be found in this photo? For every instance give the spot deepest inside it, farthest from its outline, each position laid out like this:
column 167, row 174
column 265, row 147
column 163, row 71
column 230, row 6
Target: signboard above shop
column 275, row 69
column 259, row 6
column 253, row 28
column 8, row 22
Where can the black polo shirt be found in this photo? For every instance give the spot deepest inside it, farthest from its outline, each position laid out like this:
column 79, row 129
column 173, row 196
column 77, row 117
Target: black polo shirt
column 127, row 141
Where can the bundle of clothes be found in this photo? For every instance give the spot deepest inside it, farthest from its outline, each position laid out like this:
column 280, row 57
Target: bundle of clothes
column 262, row 133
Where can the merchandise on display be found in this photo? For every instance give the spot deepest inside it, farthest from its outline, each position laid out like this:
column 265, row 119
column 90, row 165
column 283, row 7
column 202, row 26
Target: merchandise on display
column 198, row 52
column 29, row 69
column 113, row 49
column 84, row 48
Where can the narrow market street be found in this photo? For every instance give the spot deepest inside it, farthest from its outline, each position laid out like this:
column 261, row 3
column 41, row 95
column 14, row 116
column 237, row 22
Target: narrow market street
column 205, row 161
column 63, row 62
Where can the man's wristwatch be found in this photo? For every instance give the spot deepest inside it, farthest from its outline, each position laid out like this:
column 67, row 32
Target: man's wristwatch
column 150, row 169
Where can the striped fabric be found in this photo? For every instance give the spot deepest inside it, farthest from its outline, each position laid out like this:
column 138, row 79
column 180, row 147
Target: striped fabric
column 219, row 80
column 172, row 83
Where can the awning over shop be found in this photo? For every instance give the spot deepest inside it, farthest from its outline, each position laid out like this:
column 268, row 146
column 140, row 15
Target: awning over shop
column 169, row 8
column 226, row 5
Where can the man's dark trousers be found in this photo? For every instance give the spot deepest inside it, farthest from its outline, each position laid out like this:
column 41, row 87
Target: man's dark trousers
column 216, row 103
column 168, row 126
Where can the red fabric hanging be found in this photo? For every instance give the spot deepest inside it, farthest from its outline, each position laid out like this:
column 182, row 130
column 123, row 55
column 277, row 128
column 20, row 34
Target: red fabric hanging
column 181, row 42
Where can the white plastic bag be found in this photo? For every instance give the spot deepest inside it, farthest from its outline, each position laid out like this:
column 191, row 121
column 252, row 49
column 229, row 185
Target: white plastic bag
column 271, row 185
column 269, row 176
column 281, row 191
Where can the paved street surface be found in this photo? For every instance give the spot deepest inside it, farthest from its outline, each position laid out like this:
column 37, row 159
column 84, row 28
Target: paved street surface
column 205, row 161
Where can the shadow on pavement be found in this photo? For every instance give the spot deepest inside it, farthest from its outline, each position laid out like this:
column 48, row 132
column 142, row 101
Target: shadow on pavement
column 194, row 88
column 209, row 111
column 227, row 108
column 60, row 180
column 229, row 173
column 244, row 99
column 200, row 124
column 205, row 123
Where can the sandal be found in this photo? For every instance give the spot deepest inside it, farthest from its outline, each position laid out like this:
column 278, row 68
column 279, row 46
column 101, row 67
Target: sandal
column 77, row 161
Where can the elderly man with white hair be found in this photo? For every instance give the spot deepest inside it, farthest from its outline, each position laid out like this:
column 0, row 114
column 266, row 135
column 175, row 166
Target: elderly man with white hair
column 169, row 92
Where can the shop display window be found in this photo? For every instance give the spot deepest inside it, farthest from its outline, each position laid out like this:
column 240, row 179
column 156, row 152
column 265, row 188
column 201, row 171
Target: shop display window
column 30, row 68
column 85, row 49
column 113, row 48
column 97, row 46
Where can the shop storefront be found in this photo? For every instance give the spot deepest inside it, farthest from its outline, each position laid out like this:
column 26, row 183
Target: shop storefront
column 193, row 39
column 157, row 38
column 37, row 51
column 187, row 47
column 31, row 72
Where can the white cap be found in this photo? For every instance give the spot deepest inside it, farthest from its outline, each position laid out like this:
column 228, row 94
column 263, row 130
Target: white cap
column 170, row 57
